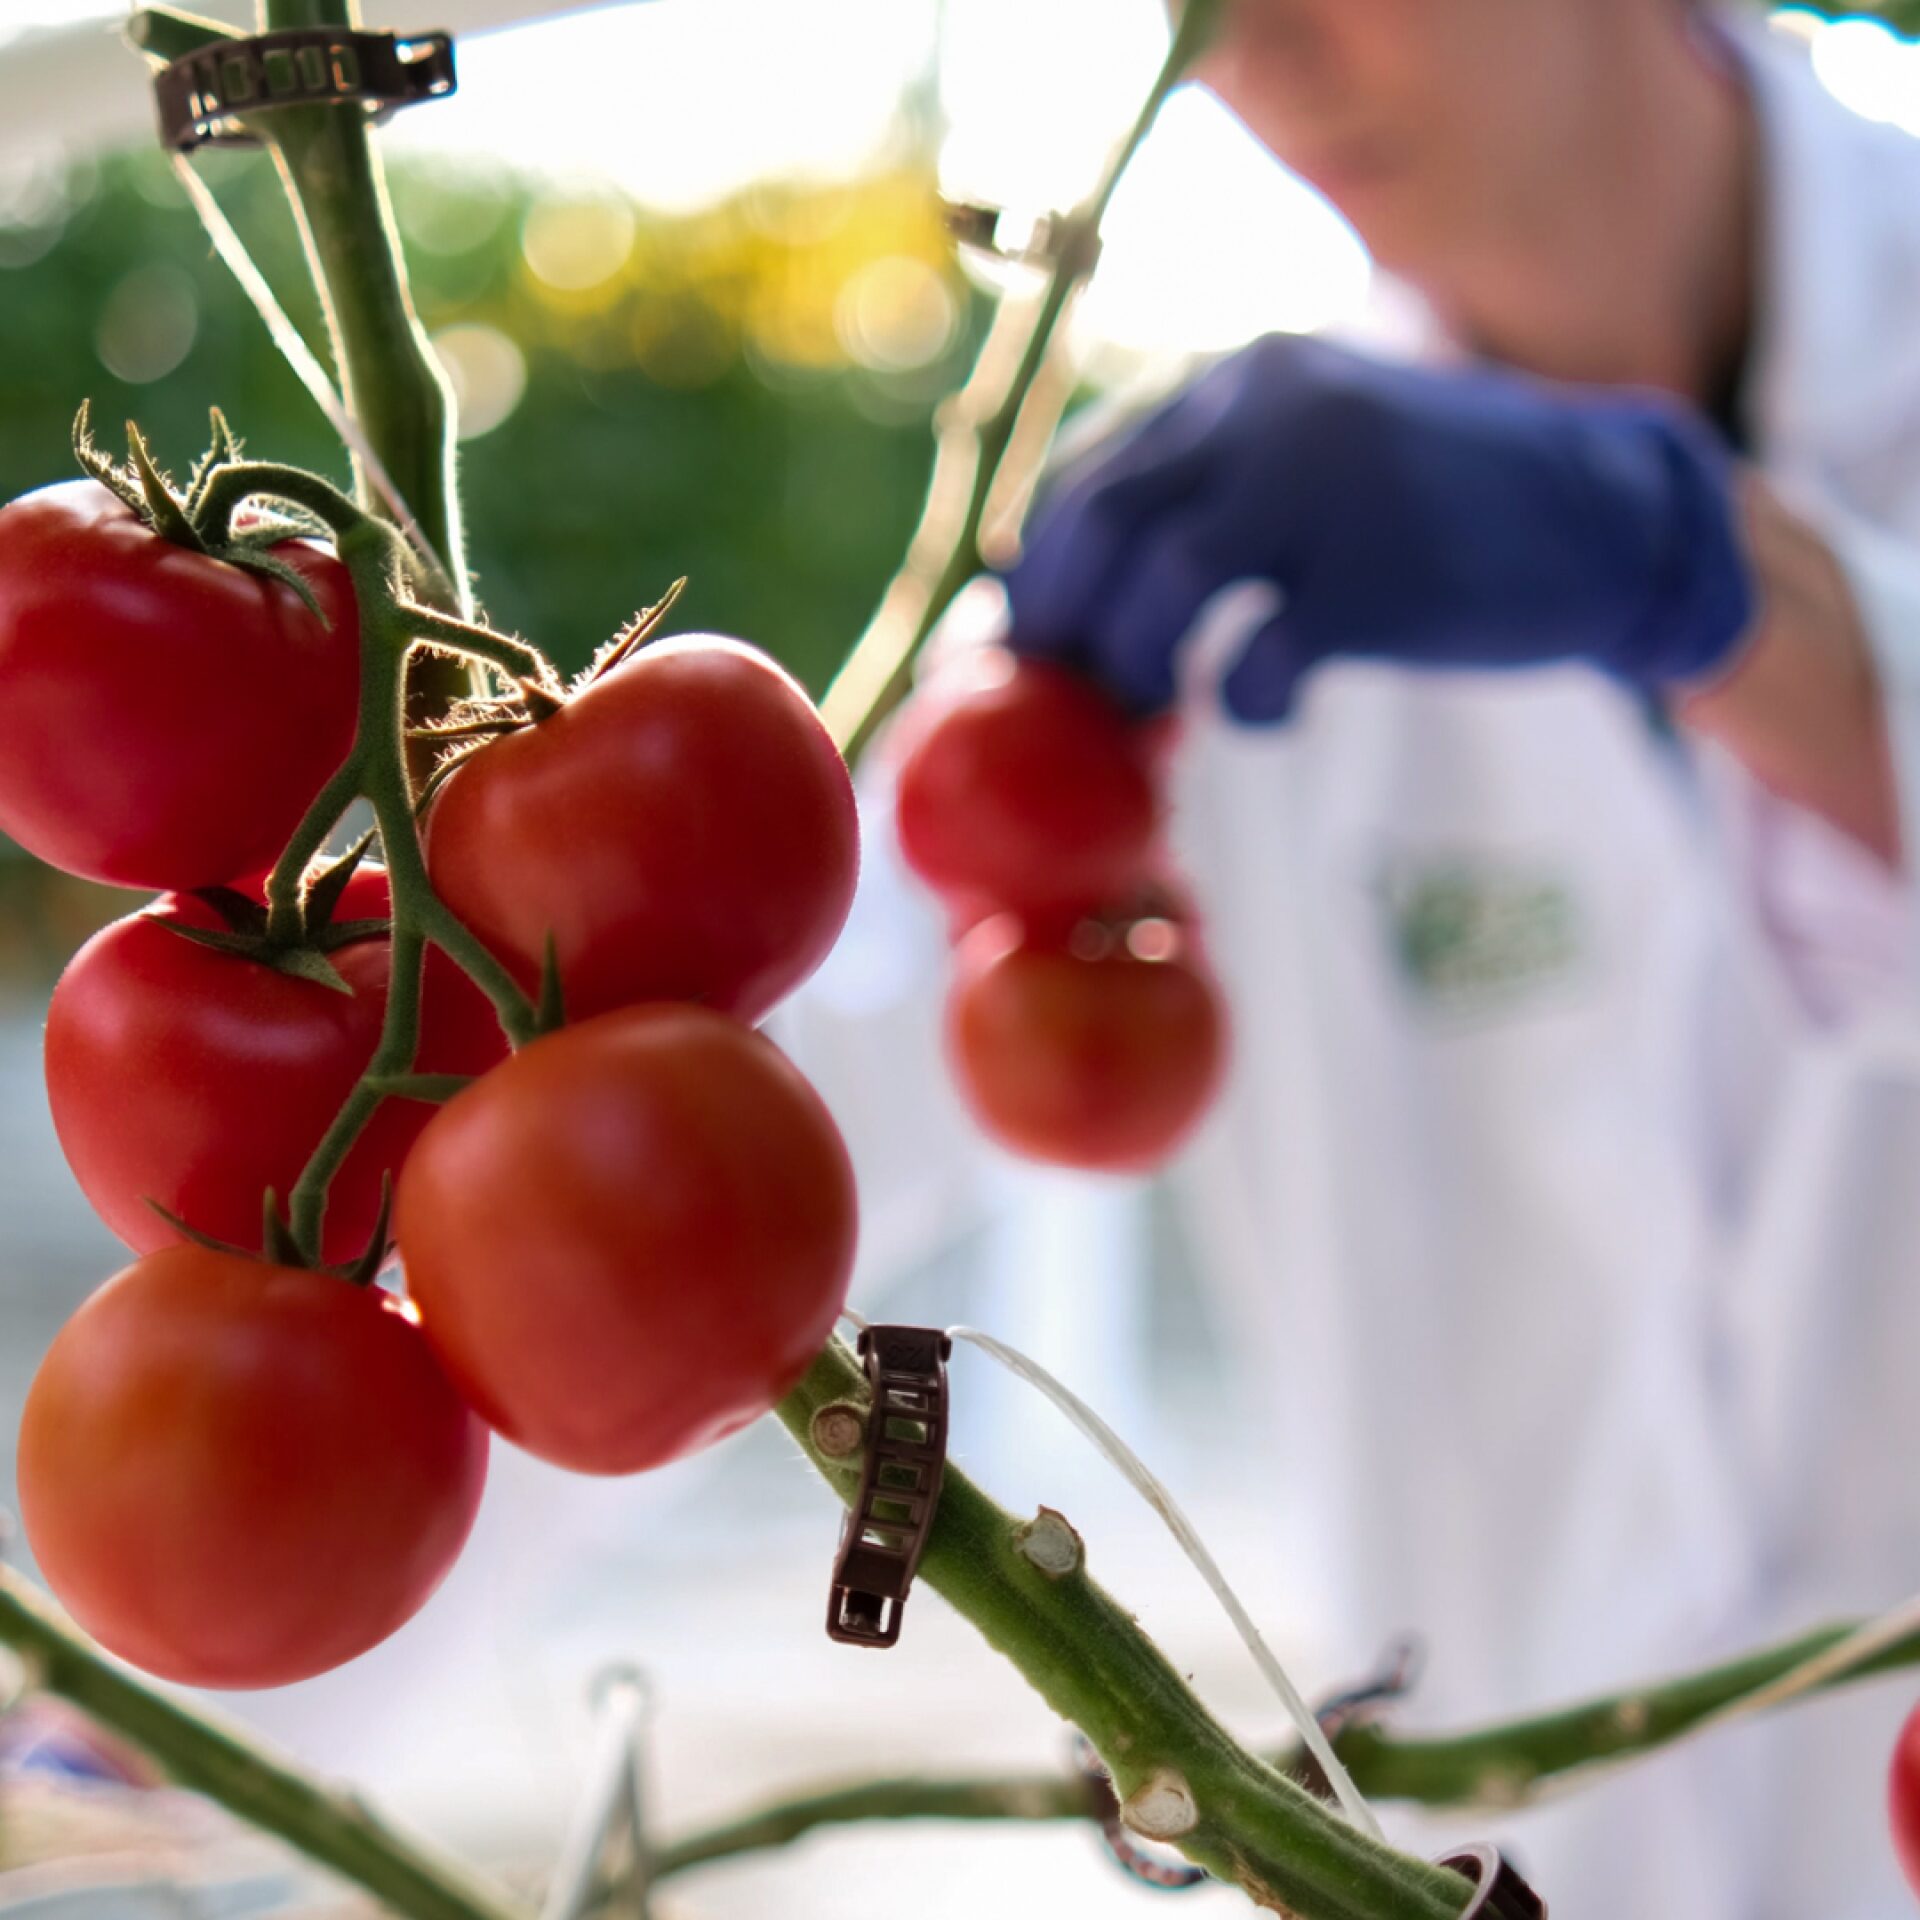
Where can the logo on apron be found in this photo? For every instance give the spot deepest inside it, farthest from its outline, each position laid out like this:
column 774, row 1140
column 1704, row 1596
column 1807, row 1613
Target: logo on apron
column 1475, row 932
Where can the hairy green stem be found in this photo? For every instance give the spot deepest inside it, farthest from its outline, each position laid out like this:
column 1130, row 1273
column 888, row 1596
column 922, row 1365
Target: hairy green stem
column 1181, row 1775
column 285, row 920
column 329, row 1826
column 377, row 769
column 399, row 1038
column 235, row 482
column 977, row 427
column 389, row 378
column 508, row 652
column 383, row 573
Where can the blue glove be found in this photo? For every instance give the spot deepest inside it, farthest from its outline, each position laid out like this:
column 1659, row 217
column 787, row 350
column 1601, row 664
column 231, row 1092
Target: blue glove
column 1436, row 518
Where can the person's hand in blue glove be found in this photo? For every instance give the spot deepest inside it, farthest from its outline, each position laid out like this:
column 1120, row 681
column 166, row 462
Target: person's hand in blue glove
column 1436, row 518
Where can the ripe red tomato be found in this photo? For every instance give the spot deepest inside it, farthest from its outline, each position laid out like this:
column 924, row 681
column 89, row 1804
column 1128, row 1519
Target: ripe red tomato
column 684, row 828
column 1903, row 1799
column 632, row 1238
column 1022, row 786
column 199, row 1079
column 240, row 1475
column 1101, row 1052
column 169, row 717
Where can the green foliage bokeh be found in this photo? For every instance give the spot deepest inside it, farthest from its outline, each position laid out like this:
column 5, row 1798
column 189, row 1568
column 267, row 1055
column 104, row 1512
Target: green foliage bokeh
column 693, row 413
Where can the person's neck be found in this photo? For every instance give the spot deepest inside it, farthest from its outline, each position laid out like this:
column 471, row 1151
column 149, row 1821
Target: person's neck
column 1641, row 271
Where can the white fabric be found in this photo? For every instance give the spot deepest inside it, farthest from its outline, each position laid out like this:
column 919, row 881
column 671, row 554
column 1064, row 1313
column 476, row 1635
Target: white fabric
column 1566, row 1194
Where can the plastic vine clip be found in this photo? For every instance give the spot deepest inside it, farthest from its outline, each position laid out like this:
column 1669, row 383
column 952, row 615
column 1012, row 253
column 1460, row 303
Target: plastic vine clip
column 1041, row 240
column 206, row 97
column 886, row 1529
column 1500, row 1892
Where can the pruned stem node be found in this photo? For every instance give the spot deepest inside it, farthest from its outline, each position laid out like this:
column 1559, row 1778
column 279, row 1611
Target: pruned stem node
column 1161, row 1807
column 1049, row 1541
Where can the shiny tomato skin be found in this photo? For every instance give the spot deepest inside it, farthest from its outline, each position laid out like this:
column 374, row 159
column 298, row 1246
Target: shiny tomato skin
column 169, row 717
column 199, row 1079
column 631, row 1239
column 240, row 1475
column 1095, row 1059
column 684, row 828
column 1021, row 785
column 1903, row 1799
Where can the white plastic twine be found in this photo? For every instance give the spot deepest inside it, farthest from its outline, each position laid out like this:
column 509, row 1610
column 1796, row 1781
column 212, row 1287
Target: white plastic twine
column 300, row 357
column 1133, row 1469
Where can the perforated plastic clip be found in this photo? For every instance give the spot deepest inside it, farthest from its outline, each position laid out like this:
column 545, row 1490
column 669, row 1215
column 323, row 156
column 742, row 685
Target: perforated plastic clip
column 906, row 1458
column 205, row 97
column 1502, row 1894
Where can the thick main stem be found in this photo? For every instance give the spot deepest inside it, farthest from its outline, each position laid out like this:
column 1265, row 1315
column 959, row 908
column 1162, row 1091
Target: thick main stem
column 1087, row 1657
column 327, row 1825
column 389, row 377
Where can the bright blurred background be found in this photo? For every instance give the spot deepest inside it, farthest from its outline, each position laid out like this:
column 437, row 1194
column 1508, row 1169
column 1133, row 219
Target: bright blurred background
column 686, row 265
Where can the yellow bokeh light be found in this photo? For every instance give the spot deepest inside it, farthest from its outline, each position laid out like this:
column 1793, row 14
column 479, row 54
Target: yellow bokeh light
column 487, row 372
column 577, row 245
column 895, row 314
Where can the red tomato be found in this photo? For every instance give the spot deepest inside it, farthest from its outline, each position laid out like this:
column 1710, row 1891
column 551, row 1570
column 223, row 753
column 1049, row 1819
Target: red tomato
column 169, row 717
column 683, row 827
column 199, row 1079
column 1903, row 1799
column 1022, row 785
column 240, row 1475
column 1102, row 1053
column 632, row 1238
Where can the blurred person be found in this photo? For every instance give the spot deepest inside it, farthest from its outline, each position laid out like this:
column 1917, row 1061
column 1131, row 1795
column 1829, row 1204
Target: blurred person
column 1545, row 800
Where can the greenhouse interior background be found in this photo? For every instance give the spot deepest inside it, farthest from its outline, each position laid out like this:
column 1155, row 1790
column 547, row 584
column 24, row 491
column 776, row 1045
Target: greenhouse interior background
column 686, row 266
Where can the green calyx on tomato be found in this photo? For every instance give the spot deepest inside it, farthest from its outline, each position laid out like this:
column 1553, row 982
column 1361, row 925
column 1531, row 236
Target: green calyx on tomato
column 247, row 927
column 170, row 716
column 186, row 1080
column 145, row 490
column 472, row 723
column 683, row 828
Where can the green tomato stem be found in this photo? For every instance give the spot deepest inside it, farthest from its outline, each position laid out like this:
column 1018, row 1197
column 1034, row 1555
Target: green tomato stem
column 1493, row 1767
column 1035, row 1797
column 980, row 423
column 389, row 377
column 202, row 1754
column 513, row 656
column 285, row 920
column 377, row 769
column 1088, row 1658
column 229, row 487
column 1508, row 1764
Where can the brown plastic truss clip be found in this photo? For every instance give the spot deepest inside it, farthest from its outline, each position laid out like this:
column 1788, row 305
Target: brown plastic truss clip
column 906, row 1456
column 205, row 97
column 1502, row 1894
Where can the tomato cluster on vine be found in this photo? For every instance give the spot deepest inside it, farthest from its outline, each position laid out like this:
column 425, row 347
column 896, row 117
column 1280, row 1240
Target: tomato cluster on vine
column 1083, row 1027
column 243, row 1460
